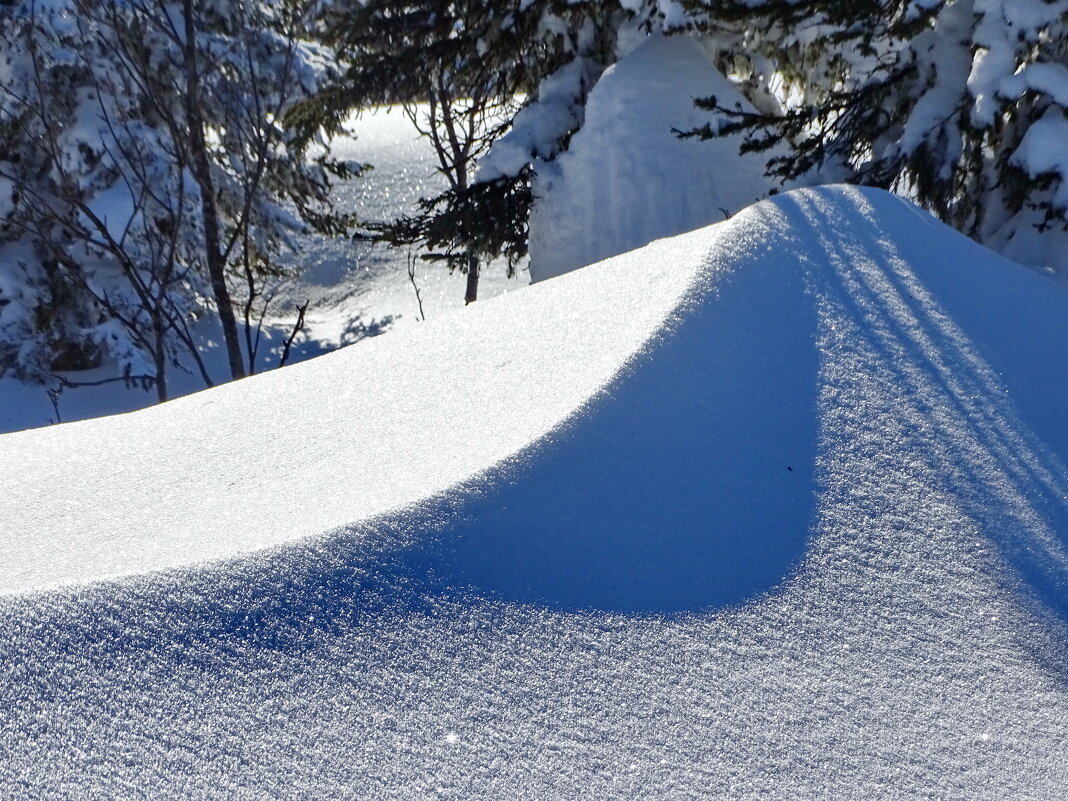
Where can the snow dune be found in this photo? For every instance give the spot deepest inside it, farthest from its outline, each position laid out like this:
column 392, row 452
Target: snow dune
column 777, row 508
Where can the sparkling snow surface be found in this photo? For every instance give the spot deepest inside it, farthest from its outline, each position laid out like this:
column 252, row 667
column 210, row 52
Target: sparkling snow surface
column 880, row 399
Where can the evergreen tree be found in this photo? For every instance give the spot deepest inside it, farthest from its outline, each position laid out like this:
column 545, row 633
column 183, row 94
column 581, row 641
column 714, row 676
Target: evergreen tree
column 958, row 104
column 460, row 67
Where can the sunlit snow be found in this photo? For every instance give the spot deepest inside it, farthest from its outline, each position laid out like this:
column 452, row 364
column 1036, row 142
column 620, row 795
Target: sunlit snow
column 626, row 177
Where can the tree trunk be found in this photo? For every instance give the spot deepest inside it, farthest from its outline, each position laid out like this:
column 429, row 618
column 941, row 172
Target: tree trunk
column 202, row 172
column 454, row 156
column 471, row 293
column 472, row 282
column 160, row 357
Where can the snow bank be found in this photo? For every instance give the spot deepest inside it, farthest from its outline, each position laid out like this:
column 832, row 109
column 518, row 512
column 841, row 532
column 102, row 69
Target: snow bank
column 626, row 178
column 870, row 394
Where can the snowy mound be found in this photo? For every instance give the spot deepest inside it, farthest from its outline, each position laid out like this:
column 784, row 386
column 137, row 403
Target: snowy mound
column 775, row 509
column 342, row 438
column 626, row 178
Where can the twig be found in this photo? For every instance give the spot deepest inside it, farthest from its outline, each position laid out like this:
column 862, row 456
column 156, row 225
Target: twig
column 298, row 326
column 54, row 393
column 415, row 286
column 53, row 396
column 145, row 381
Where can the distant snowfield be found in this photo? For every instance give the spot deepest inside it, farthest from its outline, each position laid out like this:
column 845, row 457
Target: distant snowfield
column 777, row 508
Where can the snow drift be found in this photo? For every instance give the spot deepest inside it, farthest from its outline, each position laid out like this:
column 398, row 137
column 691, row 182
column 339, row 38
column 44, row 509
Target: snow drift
column 626, row 178
column 774, row 509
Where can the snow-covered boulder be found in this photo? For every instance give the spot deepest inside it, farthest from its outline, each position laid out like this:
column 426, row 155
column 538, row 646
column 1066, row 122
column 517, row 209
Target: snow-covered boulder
column 626, row 178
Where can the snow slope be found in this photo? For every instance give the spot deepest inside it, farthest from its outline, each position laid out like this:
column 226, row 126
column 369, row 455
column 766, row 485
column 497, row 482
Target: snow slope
column 626, row 178
column 774, row 509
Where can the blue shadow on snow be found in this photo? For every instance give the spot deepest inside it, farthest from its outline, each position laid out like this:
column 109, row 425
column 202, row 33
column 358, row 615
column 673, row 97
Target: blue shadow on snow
column 689, row 485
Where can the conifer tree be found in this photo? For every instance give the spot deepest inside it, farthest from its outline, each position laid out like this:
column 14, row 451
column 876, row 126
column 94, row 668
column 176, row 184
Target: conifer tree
column 460, row 67
column 958, row 104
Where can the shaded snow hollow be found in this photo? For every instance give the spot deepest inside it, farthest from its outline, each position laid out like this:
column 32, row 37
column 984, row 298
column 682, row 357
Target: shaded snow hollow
column 774, row 509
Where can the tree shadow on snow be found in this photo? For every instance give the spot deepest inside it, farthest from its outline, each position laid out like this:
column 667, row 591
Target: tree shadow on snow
column 968, row 375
